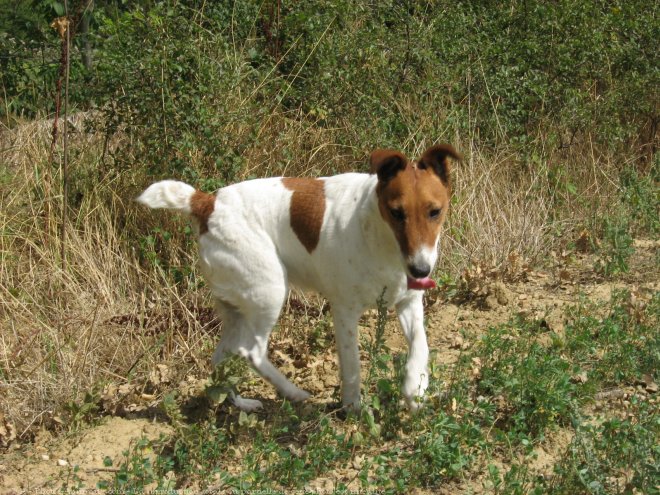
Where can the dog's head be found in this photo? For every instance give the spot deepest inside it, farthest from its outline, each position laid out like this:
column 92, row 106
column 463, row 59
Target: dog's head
column 413, row 199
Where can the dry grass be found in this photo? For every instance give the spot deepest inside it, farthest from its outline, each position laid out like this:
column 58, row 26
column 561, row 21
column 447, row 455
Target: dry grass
column 104, row 315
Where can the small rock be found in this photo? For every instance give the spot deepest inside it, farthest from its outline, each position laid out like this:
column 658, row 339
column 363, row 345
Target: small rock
column 45, row 457
column 62, row 462
column 7, row 432
column 476, row 367
column 555, row 321
column 295, row 450
column 490, row 302
column 329, row 382
column 457, row 342
column 648, row 383
column 497, row 295
column 502, row 294
column 580, row 377
column 545, row 340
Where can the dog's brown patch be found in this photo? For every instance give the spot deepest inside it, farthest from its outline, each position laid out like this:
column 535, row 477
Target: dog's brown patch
column 201, row 207
column 306, row 209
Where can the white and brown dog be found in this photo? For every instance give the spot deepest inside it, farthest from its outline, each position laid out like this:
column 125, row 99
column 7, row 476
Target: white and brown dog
column 351, row 237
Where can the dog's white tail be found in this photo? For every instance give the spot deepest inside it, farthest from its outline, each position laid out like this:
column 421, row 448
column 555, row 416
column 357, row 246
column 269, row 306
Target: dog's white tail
column 170, row 194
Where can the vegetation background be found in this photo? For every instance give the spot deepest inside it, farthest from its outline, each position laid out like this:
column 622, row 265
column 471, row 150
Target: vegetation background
column 553, row 104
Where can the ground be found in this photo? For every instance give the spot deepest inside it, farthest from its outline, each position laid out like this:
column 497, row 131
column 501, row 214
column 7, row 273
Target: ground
column 91, row 454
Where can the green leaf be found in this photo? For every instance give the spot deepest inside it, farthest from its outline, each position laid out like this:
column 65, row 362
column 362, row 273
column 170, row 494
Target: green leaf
column 216, row 394
column 58, row 8
column 243, row 418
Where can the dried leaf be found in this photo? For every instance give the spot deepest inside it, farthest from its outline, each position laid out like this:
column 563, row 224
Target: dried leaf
column 457, row 342
column 583, row 242
column 61, row 24
column 160, row 375
column 7, row 432
column 476, row 367
column 648, row 383
column 580, row 377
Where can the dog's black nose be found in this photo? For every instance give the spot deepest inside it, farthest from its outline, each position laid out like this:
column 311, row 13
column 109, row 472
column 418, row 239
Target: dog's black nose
column 420, row 270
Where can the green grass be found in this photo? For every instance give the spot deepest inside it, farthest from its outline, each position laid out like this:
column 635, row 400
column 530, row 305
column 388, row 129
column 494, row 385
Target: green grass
column 506, row 396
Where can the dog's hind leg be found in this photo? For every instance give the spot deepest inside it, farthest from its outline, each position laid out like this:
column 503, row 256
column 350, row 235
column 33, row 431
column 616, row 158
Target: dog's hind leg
column 246, row 331
column 231, row 340
column 265, row 305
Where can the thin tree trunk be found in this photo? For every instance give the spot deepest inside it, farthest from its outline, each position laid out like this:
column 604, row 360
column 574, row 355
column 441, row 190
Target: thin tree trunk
column 86, row 51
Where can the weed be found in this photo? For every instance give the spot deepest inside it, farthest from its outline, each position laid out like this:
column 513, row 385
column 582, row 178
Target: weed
column 384, row 376
column 225, row 378
column 533, row 384
column 439, row 451
column 375, row 347
column 320, row 335
column 506, row 393
column 136, row 471
column 616, row 247
column 449, row 286
column 614, row 456
column 618, row 348
column 85, row 412
column 641, row 197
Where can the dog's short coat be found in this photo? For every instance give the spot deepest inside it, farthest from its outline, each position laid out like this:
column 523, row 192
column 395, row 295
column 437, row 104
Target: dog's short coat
column 351, row 237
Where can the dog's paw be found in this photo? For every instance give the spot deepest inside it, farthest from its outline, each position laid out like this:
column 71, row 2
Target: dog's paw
column 352, row 405
column 413, row 390
column 247, row 405
column 414, row 403
column 298, row 395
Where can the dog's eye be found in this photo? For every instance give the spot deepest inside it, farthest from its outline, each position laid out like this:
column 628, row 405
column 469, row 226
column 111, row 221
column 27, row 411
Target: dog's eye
column 435, row 213
column 398, row 214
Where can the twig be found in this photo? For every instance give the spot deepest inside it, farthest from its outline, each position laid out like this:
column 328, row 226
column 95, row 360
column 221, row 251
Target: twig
column 63, row 25
column 102, row 470
column 65, row 162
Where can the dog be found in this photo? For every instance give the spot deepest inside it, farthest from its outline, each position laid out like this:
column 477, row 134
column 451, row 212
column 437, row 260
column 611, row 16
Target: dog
column 351, row 237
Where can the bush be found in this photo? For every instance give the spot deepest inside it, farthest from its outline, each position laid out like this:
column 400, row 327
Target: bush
column 165, row 79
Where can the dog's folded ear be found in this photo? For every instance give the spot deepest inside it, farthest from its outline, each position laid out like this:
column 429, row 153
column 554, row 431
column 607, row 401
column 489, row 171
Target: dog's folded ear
column 387, row 163
column 436, row 158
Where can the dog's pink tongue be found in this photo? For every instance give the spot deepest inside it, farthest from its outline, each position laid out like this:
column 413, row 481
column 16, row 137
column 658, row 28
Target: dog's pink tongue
column 421, row 283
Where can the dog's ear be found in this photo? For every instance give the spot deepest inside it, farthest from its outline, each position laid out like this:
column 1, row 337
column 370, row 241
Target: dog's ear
column 436, row 158
column 387, row 163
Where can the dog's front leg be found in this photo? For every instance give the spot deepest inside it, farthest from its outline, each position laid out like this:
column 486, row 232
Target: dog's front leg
column 411, row 318
column 346, row 320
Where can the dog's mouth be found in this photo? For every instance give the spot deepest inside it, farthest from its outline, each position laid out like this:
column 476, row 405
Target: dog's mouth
column 421, row 283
